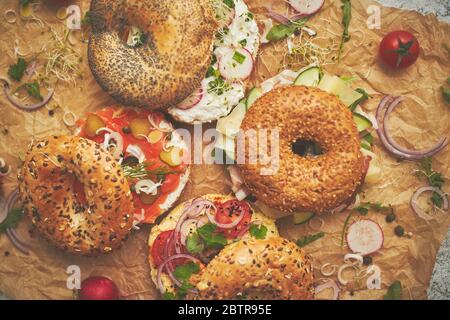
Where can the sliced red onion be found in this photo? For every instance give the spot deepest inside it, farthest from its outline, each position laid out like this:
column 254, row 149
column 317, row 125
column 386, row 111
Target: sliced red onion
column 21, row 106
column 185, row 228
column 163, row 125
column 9, row 204
column 162, row 289
column 415, row 206
column 330, row 284
column 385, row 107
column 14, row 238
column 118, row 146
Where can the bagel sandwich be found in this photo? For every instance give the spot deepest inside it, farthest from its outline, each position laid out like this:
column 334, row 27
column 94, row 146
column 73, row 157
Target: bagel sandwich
column 149, row 151
column 216, row 241
column 235, row 50
column 324, row 157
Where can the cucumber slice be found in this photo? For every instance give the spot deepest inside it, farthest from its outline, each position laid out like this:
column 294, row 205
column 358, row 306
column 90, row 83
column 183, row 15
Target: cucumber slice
column 310, row 77
column 254, row 94
column 337, row 86
column 227, row 145
column 302, row 217
column 362, row 122
column 231, row 124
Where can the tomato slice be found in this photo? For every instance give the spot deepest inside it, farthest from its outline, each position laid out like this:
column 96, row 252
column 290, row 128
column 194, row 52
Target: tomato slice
column 228, row 212
column 157, row 249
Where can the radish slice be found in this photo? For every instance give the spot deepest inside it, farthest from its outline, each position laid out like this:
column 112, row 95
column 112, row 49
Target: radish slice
column 365, row 237
column 306, row 7
column 236, row 64
column 192, row 100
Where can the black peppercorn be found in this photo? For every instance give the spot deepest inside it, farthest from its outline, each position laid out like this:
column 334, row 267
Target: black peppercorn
column 6, row 253
column 367, row 260
column 399, row 231
column 126, row 130
column 390, row 217
column 51, row 113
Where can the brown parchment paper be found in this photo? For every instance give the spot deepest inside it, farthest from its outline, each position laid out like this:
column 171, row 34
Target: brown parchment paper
column 419, row 122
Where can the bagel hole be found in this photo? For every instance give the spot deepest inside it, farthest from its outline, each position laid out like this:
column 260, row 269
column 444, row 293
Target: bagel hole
column 133, row 36
column 306, row 148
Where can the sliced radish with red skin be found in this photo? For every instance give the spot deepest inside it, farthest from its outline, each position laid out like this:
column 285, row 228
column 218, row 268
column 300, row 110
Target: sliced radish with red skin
column 231, row 69
column 192, row 100
column 306, row 7
column 365, row 237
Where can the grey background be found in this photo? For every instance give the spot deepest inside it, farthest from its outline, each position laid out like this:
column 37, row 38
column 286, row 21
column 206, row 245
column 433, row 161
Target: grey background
column 440, row 282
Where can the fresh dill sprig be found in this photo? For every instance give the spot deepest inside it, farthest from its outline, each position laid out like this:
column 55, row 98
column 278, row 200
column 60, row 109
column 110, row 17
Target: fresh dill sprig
column 141, row 171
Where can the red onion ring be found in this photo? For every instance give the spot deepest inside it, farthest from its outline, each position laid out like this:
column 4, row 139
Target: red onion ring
column 163, row 265
column 277, row 17
column 331, row 284
column 15, row 240
column 184, row 231
column 21, row 106
column 415, row 206
column 389, row 143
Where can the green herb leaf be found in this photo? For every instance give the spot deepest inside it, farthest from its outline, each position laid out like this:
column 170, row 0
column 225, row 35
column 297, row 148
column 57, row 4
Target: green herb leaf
column 212, row 239
column 86, row 19
column 434, row 178
column 12, row 220
column 446, row 94
column 33, row 90
column 238, row 57
column 24, row 2
column 394, row 291
column 229, row 3
column 303, row 241
column 346, row 18
column 282, row 31
column 194, row 244
column 185, row 271
column 17, row 70
column 258, row 231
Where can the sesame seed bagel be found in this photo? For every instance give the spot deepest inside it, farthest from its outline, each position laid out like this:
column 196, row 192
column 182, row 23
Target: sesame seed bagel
column 312, row 183
column 46, row 184
column 168, row 66
column 269, row 269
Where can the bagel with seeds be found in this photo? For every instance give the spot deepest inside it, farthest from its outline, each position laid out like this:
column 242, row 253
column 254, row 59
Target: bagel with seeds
column 197, row 240
column 91, row 219
column 170, row 58
column 303, row 183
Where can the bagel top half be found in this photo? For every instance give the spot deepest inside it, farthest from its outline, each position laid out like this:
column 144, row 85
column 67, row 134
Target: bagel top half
column 296, row 183
column 168, row 66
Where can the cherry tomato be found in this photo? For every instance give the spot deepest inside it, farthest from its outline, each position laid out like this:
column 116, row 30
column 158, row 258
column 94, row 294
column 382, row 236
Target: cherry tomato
column 158, row 246
column 98, row 288
column 399, row 49
column 229, row 211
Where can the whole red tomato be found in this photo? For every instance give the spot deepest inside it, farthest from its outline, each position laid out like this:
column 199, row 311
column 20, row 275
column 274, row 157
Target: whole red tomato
column 399, row 49
column 98, row 288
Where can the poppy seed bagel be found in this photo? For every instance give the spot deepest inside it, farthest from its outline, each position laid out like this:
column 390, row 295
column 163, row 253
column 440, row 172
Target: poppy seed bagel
column 91, row 227
column 171, row 63
column 317, row 183
column 272, row 269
